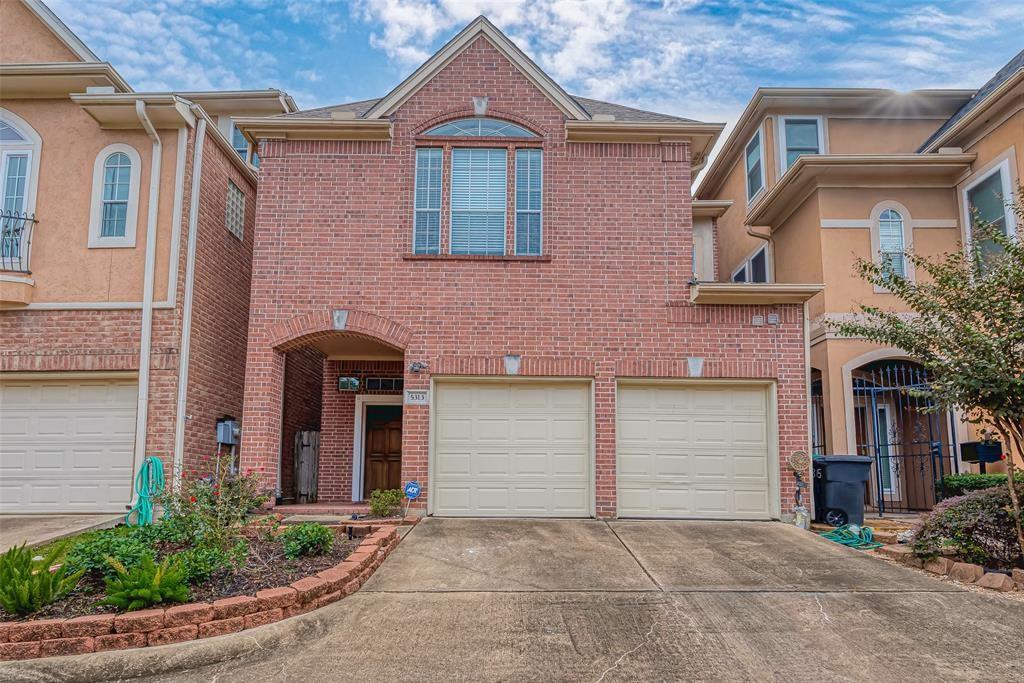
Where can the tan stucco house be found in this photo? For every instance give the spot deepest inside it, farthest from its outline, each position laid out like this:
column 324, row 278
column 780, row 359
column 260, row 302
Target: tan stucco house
column 125, row 260
column 812, row 179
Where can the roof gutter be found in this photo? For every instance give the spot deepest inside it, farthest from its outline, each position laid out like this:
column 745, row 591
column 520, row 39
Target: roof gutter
column 146, row 341
column 972, row 115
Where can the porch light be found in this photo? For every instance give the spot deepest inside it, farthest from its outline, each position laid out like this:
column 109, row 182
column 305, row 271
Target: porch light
column 348, row 384
column 417, row 366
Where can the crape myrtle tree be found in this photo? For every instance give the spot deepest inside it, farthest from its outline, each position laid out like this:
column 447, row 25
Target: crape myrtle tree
column 966, row 328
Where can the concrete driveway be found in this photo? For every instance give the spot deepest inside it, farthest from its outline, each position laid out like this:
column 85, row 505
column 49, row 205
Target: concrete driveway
column 489, row 600
column 34, row 530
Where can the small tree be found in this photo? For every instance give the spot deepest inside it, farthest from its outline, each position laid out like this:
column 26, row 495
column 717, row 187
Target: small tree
column 966, row 327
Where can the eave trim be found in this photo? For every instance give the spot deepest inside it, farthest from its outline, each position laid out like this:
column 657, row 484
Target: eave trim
column 741, row 293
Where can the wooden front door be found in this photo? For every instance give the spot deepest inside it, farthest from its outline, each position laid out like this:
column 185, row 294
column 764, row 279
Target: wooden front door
column 383, row 449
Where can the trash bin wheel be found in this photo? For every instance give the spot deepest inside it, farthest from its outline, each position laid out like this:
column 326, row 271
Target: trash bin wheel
column 836, row 517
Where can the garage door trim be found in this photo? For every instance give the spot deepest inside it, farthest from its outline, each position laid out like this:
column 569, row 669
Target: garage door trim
column 510, row 379
column 770, row 387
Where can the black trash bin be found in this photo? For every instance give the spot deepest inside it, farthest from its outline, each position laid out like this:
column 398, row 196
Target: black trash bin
column 839, row 488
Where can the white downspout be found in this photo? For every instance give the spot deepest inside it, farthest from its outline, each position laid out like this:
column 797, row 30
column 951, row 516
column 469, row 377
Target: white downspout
column 146, row 343
column 186, row 322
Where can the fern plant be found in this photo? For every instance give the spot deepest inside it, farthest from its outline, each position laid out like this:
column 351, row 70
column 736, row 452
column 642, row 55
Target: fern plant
column 146, row 584
column 27, row 585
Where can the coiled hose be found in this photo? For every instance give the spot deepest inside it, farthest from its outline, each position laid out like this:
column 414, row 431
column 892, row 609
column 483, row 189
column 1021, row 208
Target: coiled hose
column 149, row 484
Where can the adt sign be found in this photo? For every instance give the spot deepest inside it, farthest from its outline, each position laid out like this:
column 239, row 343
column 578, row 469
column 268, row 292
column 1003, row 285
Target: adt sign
column 412, row 490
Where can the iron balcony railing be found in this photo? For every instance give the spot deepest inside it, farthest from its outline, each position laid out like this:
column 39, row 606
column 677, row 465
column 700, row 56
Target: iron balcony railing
column 15, row 240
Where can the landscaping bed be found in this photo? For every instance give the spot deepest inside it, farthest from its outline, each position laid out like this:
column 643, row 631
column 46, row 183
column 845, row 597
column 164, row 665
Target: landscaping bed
column 264, row 566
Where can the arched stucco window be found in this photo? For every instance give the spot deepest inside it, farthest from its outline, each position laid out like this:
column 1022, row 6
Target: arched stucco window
column 19, row 164
column 891, row 233
column 115, row 197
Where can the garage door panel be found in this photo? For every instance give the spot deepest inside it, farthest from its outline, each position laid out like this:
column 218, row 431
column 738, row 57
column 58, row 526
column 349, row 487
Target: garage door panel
column 692, row 451
column 66, row 445
column 536, row 464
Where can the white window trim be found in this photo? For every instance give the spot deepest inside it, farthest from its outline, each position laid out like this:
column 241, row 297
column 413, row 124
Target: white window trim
column 34, row 149
column 760, row 146
column 780, row 137
column 1003, row 167
column 96, row 241
column 745, row 265
column 908, row 239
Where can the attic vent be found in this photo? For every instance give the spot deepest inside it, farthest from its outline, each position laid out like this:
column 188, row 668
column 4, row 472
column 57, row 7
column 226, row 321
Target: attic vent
column 383, row 383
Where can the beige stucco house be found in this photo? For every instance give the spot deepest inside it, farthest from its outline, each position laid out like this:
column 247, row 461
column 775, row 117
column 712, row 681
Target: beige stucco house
column 125, row 260
column 819, row 177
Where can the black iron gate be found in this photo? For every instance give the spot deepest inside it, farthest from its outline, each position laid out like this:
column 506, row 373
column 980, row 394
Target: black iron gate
column 910, row 443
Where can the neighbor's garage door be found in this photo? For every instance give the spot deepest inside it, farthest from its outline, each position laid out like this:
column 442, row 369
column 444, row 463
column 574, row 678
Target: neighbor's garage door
column 510, row 449
column 693, row 451
column 66, row 445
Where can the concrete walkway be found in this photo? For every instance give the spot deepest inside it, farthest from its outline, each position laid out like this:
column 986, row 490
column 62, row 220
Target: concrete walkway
column 38, row 529
column 489, row 600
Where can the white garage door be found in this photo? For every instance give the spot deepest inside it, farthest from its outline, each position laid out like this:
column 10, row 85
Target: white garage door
column 512, row 449
column 66, row 445
column 693, row 451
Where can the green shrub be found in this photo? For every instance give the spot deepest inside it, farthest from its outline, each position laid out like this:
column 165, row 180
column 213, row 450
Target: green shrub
column 384, row 502
column 308, row 538
column 127, row 545
column 28, row 585
column 201, row 562
column 977, row 527
column 146, row 584
column 959, row 484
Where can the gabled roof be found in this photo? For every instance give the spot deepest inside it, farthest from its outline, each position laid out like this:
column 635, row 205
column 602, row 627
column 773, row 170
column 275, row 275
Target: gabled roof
column 1010, row 71
column 453, row 48
column 60, row 30
column 598, row 108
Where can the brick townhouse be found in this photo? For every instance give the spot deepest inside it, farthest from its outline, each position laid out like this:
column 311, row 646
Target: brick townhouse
column 506, row 293
column 124, row 269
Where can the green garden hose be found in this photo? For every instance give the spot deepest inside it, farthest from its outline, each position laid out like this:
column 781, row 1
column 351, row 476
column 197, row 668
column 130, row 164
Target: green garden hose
column 149, row 483
column 859, row 537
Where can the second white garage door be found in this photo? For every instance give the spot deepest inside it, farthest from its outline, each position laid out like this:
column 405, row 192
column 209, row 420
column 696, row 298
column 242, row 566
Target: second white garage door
column 693, row 451
column 66, row 445
column 512, row 449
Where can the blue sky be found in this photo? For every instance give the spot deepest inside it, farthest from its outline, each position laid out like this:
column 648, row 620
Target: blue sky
column 701, row 60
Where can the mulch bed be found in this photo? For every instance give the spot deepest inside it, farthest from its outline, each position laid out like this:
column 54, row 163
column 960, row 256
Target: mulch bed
column 265, row 567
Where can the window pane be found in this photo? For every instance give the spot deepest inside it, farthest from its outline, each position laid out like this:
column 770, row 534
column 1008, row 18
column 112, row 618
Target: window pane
column 479, row 196
column 15, row 175
column 239, row 142
column 986, row 206
column 9, row 134
column 759, row 267
column 115, row 215
column 478, row 233
column 802, row 134
column 480, row 127
column 529, row 197
column 426, row 232
column 741, row 275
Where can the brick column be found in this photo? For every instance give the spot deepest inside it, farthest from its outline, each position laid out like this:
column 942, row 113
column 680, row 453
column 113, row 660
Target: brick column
column 604, row 439
column 416, row 439
column 260, row 446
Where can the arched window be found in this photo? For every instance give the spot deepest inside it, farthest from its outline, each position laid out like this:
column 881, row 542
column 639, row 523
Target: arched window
column 19, row 152
column 480, row 127
column 891, row 254
column 115, row 197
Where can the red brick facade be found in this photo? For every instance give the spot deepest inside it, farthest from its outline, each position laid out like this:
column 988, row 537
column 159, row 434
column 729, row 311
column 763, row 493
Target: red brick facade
column 608, row 299
column 77, row 340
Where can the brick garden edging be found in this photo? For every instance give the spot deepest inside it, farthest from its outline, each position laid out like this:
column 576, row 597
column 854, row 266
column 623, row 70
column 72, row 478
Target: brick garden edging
column 179, row 623
column 964, row 572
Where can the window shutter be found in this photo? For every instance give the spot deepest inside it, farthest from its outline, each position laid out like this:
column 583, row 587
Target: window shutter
column 479, row 192
column 427, row 201
column 529, row 199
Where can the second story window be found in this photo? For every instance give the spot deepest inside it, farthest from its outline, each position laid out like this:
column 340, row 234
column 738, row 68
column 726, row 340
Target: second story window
column 495, row 190
column 426, row 231
column 234, row 215
column 985, row 200
column 117, row 171
column 800, row 135
column 479, row 200
column 753, row 269
column 890, row 242
column 754, row 166
column 241, row 145
column 115, row 197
